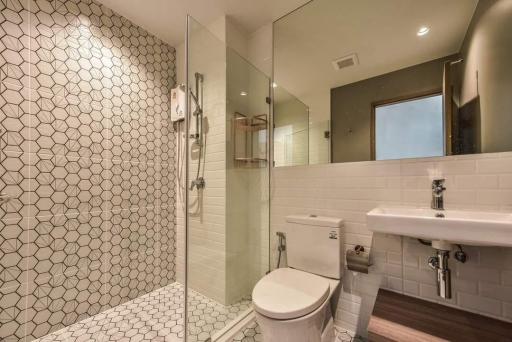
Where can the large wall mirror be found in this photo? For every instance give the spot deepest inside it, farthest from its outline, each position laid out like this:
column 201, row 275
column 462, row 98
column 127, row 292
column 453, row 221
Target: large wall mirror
column 359, row 80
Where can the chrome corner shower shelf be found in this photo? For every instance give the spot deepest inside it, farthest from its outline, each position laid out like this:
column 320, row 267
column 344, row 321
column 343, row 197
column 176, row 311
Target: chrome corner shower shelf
column 250, row 140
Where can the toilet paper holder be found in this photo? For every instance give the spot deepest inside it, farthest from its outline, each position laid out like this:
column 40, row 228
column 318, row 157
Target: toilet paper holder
column 359, row 249
column 358, row 260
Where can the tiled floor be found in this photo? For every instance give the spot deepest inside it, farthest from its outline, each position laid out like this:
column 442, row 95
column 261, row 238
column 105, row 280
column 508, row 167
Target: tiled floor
column 156, row 316
column 252, row 333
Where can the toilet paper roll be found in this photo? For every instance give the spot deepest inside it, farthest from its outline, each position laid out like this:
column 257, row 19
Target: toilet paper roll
column 358, row 261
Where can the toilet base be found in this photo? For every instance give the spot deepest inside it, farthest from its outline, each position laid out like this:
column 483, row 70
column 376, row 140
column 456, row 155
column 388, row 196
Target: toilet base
column 329, row 334
column 318, row 326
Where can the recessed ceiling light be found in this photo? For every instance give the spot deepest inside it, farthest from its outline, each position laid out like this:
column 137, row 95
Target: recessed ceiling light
column 423, row 31
column 243, row 93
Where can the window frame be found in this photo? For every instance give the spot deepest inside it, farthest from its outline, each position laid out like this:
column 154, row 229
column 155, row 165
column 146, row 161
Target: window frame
column 395, row 100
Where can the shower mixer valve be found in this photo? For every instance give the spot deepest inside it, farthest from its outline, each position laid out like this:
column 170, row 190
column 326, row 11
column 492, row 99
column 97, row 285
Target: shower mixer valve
column 198, row 183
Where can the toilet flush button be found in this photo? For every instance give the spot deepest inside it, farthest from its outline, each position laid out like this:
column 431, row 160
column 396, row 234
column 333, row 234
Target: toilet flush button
column 333, row 235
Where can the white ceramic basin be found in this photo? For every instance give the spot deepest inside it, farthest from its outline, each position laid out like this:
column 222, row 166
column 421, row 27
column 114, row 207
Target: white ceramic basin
column 459, row 227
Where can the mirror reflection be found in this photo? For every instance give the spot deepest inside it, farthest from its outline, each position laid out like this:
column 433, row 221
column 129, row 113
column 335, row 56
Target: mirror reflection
column 392, row 79
column 291, row 131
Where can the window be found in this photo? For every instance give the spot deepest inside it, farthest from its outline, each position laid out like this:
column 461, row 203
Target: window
column 411, row 128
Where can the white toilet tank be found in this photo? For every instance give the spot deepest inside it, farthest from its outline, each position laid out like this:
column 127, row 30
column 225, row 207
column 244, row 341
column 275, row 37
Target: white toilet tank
column 314, row 244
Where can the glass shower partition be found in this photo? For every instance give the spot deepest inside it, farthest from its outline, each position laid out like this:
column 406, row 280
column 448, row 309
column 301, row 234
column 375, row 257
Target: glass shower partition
column 225, row 231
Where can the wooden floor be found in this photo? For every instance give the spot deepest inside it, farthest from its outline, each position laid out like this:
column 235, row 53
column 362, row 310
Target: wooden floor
column 402, row 318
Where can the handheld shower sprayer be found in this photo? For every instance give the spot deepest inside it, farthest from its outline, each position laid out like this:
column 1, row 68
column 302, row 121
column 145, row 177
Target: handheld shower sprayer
column 281, row 246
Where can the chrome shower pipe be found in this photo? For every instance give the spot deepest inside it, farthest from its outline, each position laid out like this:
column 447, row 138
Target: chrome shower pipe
column 198, row 112
column 198, row 182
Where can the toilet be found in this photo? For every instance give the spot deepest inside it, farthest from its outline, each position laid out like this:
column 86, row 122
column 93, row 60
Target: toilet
column 295, row 303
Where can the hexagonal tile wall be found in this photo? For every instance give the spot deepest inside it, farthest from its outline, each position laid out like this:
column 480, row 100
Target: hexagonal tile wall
column 87, row 159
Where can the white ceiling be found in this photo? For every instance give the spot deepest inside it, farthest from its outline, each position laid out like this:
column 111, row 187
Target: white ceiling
column 166, row 18
column 382, row 33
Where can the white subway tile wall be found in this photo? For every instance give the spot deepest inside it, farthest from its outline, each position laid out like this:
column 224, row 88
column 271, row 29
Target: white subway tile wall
column 207, row 212
column 482, row 285
column 229, row 220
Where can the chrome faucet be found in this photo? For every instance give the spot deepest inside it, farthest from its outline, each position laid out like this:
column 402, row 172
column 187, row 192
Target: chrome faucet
column 438, row 189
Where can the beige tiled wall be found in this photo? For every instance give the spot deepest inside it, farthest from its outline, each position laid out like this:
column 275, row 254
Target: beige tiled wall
column 87, row 155
column 349, row 190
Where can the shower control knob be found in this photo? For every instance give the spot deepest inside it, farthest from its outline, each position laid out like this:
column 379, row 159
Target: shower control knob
column 198, row 183
column 433, row 262
column 461, row 256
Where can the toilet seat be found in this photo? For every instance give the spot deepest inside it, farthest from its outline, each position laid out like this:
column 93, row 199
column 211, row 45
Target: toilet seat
column 286, row 293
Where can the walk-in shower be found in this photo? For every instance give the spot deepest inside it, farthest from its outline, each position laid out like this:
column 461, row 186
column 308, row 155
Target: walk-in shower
column 227, row 222
column 117, row 223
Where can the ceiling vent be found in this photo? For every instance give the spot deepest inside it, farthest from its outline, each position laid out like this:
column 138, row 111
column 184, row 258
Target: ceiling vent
column 345, row 62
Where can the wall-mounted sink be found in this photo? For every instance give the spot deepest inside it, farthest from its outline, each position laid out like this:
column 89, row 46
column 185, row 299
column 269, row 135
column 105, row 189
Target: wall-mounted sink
column 453, row 226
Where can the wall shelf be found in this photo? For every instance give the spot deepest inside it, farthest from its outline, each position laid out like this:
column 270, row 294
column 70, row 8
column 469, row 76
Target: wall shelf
column 250, row 150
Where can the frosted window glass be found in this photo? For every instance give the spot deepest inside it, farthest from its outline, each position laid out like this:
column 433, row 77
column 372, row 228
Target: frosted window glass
column 410, row 129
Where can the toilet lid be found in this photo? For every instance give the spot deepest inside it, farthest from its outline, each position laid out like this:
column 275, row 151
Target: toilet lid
column 286, row 293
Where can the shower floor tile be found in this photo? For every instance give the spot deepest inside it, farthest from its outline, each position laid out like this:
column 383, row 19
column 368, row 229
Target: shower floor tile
column 156, row 316
column 252, row 333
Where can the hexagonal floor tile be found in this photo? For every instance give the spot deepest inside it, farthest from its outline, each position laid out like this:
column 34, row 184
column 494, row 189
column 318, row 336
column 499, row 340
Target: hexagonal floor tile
column 156, row 316
column 252, row 333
